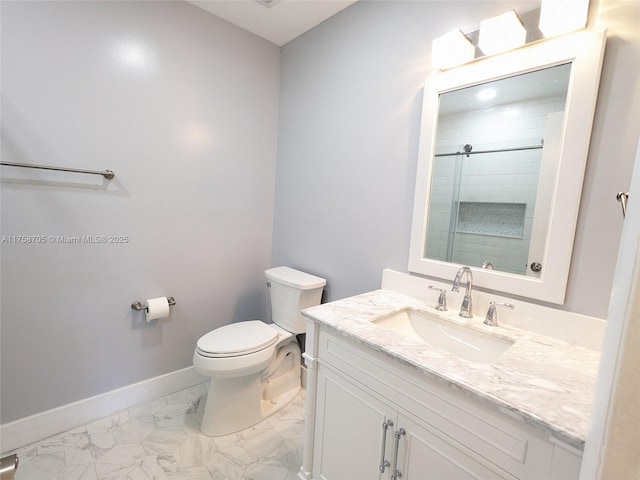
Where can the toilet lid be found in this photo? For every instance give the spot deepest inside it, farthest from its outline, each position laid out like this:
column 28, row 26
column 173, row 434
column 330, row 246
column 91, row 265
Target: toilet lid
column 238, row 339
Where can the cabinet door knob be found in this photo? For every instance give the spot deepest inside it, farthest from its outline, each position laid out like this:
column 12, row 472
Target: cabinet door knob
column 384, row 463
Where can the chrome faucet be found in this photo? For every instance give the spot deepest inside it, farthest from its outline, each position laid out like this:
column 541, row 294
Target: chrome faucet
column 442, row 298
column 492, row 316
column 466, row 308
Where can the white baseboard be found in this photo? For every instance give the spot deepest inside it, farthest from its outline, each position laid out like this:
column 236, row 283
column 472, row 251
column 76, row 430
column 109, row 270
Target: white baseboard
column 36, row 427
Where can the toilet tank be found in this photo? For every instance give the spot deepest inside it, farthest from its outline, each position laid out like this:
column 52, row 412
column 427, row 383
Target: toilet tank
column 292, row 291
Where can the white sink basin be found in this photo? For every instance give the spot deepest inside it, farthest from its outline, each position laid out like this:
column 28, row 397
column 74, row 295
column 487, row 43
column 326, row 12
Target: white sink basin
column 464, row 342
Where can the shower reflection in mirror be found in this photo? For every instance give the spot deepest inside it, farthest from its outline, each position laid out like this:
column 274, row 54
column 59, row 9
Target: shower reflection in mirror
column 496, row 153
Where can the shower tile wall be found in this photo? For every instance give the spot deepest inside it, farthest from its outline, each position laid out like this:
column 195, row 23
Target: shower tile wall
column 508, row 177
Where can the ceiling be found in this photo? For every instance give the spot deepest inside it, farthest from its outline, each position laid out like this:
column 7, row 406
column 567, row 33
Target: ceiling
column 278, row 21
column 545, row 83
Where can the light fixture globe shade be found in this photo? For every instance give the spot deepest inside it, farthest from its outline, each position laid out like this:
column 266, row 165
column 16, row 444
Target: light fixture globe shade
column 501, row 33
column 451, row 50
column 562, row 16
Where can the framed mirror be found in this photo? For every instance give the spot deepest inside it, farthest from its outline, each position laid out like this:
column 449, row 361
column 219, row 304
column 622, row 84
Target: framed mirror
column 503, row 149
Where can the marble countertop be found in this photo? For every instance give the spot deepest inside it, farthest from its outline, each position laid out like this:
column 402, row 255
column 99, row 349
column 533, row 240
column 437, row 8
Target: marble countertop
column 545, row 382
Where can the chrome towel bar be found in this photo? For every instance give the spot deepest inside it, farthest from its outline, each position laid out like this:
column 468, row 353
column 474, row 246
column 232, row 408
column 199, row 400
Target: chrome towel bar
column 138, row 306
column 108, row 174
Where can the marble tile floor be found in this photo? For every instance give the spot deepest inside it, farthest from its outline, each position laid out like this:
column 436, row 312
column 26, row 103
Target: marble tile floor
column 161, row 440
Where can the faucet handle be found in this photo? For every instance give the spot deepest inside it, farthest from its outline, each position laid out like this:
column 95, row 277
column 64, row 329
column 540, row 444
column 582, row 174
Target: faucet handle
column 442, row 298
column 492, row 315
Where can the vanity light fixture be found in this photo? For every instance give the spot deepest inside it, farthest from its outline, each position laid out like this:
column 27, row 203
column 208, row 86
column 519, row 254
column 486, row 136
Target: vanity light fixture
column 506, row 32
column 501, row 33
column 562, row 16
column 451, row 50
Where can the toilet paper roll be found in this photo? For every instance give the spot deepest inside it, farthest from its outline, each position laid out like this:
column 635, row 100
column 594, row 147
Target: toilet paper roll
column 156, row 308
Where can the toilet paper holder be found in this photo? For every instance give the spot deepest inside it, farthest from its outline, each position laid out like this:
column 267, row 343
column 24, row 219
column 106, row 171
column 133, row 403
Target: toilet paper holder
column 138, row 306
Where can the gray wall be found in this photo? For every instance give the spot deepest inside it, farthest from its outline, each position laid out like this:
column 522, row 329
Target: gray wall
column 350, row 104
column 183, row 107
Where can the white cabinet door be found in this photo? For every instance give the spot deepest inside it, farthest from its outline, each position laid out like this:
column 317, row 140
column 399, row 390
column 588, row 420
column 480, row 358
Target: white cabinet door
column 428, row 454
column 349, row 430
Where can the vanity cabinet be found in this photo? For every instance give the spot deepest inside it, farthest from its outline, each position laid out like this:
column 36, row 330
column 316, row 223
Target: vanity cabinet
column 432, row 431
column 359, row 436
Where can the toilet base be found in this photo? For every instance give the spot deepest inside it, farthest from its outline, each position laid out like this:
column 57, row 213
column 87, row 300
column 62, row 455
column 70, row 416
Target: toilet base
column 236, row 403
column 274, row 406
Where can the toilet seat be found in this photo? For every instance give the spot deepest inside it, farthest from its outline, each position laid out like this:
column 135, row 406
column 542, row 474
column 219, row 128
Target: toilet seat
column 237, row 339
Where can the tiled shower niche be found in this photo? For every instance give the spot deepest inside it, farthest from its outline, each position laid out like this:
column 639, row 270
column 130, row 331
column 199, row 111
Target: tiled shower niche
column 490, row 218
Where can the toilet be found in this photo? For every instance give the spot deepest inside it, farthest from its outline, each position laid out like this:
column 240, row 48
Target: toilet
column 255, row 366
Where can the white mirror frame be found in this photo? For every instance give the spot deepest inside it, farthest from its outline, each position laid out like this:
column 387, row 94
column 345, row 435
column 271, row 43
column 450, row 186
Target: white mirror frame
column 585, row 50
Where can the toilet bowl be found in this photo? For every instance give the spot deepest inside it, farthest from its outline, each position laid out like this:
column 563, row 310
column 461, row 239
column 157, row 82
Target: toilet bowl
column 254, row 366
